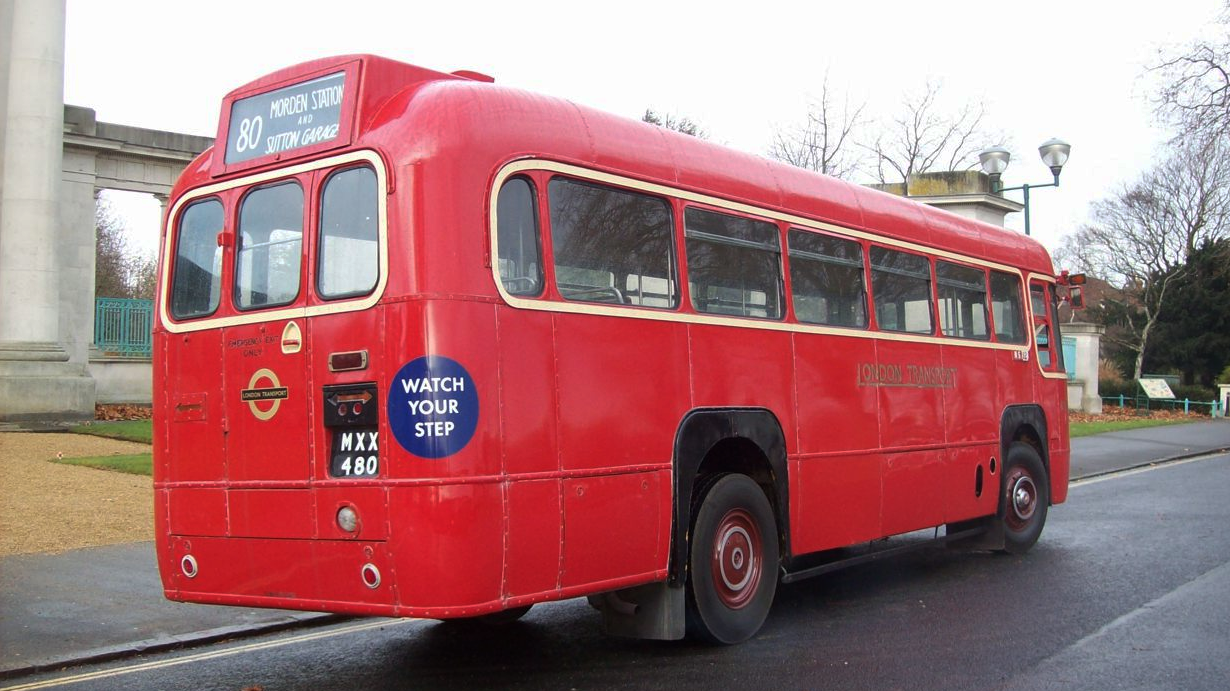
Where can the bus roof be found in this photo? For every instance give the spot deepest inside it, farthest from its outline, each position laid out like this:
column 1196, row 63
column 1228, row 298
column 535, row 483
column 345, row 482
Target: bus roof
column 408, row 112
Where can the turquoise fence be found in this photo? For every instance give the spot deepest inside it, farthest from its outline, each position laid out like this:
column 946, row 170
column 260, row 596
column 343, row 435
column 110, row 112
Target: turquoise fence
column 1143, row 404
column 122, row 327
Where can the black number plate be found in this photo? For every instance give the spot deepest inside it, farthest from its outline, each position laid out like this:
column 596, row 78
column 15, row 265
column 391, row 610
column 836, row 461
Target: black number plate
column 356, row 453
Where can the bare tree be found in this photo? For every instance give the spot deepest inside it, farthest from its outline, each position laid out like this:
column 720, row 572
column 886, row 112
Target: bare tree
column 924, row 138
column 675, row 122
column 1196, row 93
column 119, row 270
column 821, row 142
column 1143, row 237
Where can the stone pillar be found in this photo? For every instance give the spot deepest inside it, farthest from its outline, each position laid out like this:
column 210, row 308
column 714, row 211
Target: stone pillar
column 1224, row 390
column 1088, row 339
column 37, row 381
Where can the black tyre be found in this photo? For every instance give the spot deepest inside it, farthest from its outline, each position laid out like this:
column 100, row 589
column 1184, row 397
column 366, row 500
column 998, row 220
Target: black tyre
column 732, row 561
column 1026, row 496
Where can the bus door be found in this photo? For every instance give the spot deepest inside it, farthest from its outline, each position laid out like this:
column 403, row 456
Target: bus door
column 266, row 382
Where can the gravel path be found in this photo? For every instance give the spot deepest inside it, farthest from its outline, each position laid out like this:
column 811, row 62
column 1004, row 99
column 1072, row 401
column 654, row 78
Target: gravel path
column 50, row 507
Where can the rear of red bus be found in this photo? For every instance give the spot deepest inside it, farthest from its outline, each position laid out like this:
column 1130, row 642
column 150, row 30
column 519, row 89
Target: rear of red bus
column 282, row 317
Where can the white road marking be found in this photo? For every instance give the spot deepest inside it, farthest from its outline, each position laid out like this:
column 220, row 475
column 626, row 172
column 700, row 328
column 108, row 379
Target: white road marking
column 213, row 655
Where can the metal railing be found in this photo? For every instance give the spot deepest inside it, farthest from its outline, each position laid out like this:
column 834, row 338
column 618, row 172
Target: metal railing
column 1143, row 404
column 123, row 327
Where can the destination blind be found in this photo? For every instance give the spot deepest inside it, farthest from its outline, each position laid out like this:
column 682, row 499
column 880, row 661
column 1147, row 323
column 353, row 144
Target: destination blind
column 289, row 118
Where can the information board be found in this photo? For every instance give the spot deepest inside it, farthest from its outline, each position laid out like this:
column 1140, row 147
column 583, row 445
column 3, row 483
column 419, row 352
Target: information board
column 1156, row 388
column 286, row 119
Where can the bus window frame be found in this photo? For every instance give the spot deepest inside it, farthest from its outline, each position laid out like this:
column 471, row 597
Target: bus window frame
column 237, row 318
column 539, row 168
column 175, row 236
column 305, row 185
column 784, row 301
column 316, row 217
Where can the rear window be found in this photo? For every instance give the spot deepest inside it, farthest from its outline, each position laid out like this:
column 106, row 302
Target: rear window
column 196, row 278
column 270, row 253
column 348, row 263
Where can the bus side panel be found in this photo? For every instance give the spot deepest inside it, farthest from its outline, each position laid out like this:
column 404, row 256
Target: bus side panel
column 622, row 391
column 1053, row 393
column 1015, row 379
column 613, row 527
column 196, row 444
column 835, row 497
column 743, row 368
column 529, row 433
column 971, row 424
column 911, row 424
column 529, row 400
column 449, row 544
column 535, row 534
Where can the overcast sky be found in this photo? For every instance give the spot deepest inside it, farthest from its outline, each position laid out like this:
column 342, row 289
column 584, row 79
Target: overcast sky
column 1077, row 70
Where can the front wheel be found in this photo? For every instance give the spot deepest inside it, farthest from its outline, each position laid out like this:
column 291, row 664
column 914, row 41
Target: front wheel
column 732, row 561
column 1025, row 498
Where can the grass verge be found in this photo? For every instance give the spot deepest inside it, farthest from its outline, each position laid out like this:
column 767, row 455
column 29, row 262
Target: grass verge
column 1084, row 429
column 128, row 430
column 134, row 464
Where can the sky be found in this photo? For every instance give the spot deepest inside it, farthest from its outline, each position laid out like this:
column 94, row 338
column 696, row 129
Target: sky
column 1077, row 70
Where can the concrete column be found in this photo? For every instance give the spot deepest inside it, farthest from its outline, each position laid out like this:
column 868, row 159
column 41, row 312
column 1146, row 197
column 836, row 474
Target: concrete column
column 29, row 208
column 1088, row 347
column 37, row 381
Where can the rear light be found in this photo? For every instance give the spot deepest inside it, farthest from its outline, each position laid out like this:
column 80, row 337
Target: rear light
column 347, row 519
column 347, row 362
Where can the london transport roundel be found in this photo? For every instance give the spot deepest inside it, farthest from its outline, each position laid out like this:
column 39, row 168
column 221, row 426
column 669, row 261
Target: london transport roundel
column 433, row 407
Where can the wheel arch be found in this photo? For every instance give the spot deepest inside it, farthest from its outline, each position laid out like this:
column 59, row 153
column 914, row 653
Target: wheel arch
column 1024, row 423
column 718, row 440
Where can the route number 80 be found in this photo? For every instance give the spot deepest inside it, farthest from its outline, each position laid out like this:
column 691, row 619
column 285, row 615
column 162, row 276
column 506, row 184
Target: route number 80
column 249, row 133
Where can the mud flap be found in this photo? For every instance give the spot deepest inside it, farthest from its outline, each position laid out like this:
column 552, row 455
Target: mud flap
column 654, row 611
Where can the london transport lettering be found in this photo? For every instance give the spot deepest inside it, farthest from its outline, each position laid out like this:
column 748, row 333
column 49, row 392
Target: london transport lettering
column 918, row 376
column 289, row 118
column 433, row 407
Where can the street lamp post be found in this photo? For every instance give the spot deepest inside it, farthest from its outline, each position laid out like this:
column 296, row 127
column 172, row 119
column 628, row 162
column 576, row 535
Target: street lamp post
column 994, row 161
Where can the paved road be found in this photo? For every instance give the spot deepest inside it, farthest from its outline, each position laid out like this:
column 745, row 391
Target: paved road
column 1126, row 590
column 1101, row 453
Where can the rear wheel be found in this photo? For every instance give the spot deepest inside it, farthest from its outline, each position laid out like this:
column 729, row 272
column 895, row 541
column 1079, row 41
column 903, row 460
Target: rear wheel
column 1025, row 499
column 732, row 561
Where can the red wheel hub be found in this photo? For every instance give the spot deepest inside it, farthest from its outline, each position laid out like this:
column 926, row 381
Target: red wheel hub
column 738, row 559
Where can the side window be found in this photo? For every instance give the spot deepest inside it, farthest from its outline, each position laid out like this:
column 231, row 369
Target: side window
column 1046, row 341
column 196, row 280
column 520, row 252
column 901, row 291
column 611, row 245
column 826, row 278
column 348, row 261
column 734, row 265
column 270, row 252
column 962, row 294
column 1006, row 308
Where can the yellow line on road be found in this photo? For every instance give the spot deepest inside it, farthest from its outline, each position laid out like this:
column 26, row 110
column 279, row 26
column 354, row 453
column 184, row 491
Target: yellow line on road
column 203, row 657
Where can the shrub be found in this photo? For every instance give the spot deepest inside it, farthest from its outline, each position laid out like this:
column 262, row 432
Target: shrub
column 1108, row 371
column 1193, row 392
column 1224, row 377
column 1117, row 387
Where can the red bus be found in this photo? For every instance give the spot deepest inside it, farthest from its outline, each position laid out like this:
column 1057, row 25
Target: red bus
column 428, row 346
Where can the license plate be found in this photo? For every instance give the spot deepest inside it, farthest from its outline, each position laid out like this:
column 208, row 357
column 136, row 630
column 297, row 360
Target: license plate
column 356, row 453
